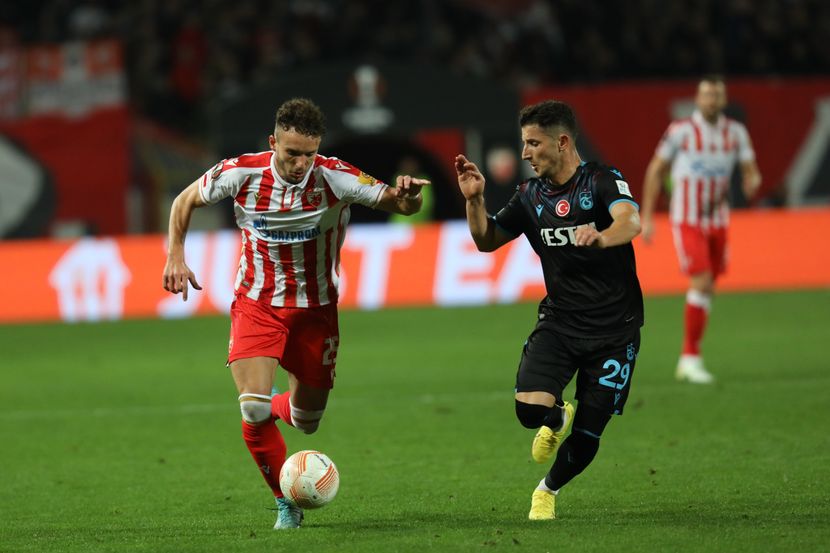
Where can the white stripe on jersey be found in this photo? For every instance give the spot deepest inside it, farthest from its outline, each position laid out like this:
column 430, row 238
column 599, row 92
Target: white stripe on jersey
column 290, row 231
column 703, row 158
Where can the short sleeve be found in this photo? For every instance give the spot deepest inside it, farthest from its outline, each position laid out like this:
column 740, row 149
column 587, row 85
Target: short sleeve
column 612, row 188
column 745, row 150
column 221, row 181
column 670, row 142
column 352, row 185
column 512, row 216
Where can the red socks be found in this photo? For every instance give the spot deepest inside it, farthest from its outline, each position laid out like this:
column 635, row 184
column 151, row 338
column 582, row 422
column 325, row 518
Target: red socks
column 268, row 449
column 281, row 408
column 697, row 313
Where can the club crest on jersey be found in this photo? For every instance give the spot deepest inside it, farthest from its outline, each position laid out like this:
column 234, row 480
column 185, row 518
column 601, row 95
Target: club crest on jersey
column 314, row 197
column 366, row 179
column 586, row 201
column 563, row 208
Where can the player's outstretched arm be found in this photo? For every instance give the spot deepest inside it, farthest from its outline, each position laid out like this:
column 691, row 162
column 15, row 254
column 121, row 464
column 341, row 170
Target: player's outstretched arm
column 405, row 198
column 177, row 274
column 623, row 229
column 484, row 231
column 750, row 178
column 656, row 173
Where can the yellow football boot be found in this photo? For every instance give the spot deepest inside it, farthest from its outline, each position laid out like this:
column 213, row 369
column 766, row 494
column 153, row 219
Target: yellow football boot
column 542, row 506
column 547, row 441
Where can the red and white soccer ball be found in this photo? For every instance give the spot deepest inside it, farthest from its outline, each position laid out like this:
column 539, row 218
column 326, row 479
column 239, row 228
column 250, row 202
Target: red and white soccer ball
column 309, row 479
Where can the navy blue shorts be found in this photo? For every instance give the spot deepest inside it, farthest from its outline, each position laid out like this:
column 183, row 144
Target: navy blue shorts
column 604, row 366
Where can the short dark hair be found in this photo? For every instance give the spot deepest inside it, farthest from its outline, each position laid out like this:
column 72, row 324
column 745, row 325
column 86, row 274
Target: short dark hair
column 547, row 114
column 714, row 78
column 303, row 115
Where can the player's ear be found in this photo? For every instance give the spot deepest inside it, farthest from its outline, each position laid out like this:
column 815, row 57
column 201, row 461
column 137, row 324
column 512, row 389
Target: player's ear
column 563, row 142
column 272, row 141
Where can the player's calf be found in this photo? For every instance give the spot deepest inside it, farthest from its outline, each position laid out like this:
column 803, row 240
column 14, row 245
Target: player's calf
column 305, row 420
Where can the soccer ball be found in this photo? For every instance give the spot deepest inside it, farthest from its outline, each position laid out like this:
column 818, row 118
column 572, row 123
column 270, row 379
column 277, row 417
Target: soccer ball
column 309, row 479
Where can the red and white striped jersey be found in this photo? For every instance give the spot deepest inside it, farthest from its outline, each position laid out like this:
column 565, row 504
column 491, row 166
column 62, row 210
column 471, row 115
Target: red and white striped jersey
column 291, row 233
column 703, row 157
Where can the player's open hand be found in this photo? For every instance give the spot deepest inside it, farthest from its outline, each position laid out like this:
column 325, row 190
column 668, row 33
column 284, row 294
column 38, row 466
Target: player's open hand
column 470, row 179
column 586, row 236
column 176, row 277
column 408, row 187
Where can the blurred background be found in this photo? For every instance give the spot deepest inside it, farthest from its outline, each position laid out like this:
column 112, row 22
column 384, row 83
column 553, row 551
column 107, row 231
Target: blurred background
column 108, row 109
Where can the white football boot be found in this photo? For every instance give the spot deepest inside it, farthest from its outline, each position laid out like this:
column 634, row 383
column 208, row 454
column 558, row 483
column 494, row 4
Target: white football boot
column 690, row 368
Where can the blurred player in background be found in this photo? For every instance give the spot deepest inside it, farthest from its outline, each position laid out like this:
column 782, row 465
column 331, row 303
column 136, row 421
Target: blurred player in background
column 580, row 218
column 292, row 206
column 701, row 152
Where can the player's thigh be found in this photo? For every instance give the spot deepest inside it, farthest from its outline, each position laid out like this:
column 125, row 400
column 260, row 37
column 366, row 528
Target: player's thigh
column 305, row 396
column 314, row 339
column 547, row 365
column 718, row 251
column 606, row 372
column 256, row 331
column 692, row 247
column 254, row 375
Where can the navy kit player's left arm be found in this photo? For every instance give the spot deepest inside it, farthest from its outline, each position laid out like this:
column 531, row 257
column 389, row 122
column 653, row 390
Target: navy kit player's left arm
column 615, row 194
column 484, row 230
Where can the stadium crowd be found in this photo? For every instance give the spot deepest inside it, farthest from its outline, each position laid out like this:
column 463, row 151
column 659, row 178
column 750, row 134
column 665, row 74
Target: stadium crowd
column 183, row 52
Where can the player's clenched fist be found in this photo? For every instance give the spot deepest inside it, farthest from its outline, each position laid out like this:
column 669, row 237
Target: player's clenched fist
column 589, row 237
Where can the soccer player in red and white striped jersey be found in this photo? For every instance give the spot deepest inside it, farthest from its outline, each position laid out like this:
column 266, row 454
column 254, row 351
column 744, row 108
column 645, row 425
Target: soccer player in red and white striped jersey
column 292, row 206
column 701, row 152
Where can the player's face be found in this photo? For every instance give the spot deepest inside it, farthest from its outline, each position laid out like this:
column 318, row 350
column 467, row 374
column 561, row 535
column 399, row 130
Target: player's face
column 541, row 150
column 294, row 153
column 711, row 99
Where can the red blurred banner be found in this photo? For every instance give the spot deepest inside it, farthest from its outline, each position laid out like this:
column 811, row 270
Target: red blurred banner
column 625, row 121
column 383, row 265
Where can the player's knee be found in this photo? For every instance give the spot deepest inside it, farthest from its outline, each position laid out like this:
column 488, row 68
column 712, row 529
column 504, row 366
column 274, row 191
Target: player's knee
column 305, row 420
column 256, row 408
column 531, row 415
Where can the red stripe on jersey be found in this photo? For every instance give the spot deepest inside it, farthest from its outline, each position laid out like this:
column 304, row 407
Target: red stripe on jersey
column 331, row 198
column 701, row 209
column 305, row 198
column 341, row 237
column 698, row 138
column 685, row 203
column 336, row 164
column 248, row 252
column 262, row 159
column 312, row 289
column 685, row 145
column 266, row 187
column 286, row 253
column 242, row 197
column 266, row 294
column 727, row 146
column 331, row 290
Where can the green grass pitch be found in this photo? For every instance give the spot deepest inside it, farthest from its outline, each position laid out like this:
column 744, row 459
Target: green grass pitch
column 125, row 437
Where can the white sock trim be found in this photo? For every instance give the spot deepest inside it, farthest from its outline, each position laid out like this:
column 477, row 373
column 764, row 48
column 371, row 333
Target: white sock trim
column 699, row 299
column 544, row 487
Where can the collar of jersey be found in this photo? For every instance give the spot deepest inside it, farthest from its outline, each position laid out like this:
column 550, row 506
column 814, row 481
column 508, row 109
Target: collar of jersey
column 698, row 118
column 282, row 182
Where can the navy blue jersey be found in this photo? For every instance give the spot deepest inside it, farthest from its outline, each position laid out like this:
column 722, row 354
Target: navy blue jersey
column 590, row 291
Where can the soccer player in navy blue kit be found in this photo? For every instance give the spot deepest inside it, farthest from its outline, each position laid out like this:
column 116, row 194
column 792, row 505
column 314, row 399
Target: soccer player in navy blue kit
column 580, row 218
